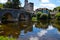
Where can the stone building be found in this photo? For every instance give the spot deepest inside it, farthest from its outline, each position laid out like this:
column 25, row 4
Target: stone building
column 29, row 6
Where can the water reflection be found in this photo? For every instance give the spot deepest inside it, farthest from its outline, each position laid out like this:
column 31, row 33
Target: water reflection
column 27, row 30
column 42, row 24
column 57, row 25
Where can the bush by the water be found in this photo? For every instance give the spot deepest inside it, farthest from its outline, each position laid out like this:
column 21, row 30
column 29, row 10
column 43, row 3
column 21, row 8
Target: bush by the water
column 44, row 16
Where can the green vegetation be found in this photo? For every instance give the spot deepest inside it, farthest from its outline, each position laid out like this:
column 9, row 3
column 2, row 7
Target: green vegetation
column 38, row 15
column 56, row 24
column 57, row 8
column 4, row 20
column 1, row 5
column 44, row 16
column 57, row 16
column 6, row 38
column 16, row 3
column 8, row 5
column 34, row 19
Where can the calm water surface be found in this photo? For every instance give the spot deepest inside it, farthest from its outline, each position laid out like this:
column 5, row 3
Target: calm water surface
column 32, row 30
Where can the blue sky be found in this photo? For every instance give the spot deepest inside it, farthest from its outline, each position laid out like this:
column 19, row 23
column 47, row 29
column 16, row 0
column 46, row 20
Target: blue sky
column 50, row 4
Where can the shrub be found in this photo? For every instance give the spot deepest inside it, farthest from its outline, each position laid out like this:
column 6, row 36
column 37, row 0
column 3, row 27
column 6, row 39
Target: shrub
column 38, row 15
column 44, row 16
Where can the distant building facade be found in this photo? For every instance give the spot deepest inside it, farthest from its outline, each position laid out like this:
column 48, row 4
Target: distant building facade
column 43, row 10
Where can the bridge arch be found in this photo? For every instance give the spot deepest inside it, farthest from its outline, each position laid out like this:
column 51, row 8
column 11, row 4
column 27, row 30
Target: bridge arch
column 7, row 16
column 24, row 16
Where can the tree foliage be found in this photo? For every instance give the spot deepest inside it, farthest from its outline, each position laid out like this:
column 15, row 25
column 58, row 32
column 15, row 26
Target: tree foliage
column 57, row 8
column 16, row 3
column 8, row 5
column 1, row 5
column 38, row 15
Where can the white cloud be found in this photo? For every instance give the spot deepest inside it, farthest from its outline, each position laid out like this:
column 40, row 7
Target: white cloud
column 33, row 38
column 45, row 1
column 3, row 1
column 49, row 5
column 42, row 33
column 50, row 27
column 35, row 7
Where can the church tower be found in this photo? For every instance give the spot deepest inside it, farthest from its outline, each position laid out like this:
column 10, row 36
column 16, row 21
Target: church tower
column 26, row 2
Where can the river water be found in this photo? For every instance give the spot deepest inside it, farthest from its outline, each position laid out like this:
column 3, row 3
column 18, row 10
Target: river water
column 24, row 30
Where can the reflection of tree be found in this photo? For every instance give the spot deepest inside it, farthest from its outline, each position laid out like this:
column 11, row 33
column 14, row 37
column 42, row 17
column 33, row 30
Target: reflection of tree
column 7, row 30
column 57, row 24
column 14, row 30
column 42, row 24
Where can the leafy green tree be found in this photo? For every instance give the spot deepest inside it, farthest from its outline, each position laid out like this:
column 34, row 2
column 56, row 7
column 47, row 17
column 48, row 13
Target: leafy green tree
column 38, row 15
column 8, row 5
column 16, row 4
column 57, row 8
column 13, row 4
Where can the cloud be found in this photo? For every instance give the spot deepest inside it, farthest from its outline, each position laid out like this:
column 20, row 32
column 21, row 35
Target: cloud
column 42, row 33
column 48, row 5
column 3, row 1
column 35, row 7
column 50, row 27
column 45, row 1
column 33, row 38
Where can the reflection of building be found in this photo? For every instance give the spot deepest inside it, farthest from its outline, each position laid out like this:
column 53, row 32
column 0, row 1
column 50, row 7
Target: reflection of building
column 26, row 26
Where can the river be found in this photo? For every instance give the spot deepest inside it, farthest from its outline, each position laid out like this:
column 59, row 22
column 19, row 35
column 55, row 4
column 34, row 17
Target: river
column 31, row 30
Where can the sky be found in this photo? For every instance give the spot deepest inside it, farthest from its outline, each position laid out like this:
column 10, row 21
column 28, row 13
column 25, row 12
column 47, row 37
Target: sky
column 50, row 4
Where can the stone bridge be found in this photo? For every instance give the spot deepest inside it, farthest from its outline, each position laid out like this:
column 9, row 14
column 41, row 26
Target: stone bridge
column 15, row 14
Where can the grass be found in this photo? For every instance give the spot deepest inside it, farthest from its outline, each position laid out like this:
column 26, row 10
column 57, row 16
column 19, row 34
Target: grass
column 6, row 38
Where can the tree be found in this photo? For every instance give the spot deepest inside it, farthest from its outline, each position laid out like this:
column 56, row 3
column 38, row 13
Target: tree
column 13, row 4
column 38, row 15
column 57, row 8
column 16, row 4
column 8, row 5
